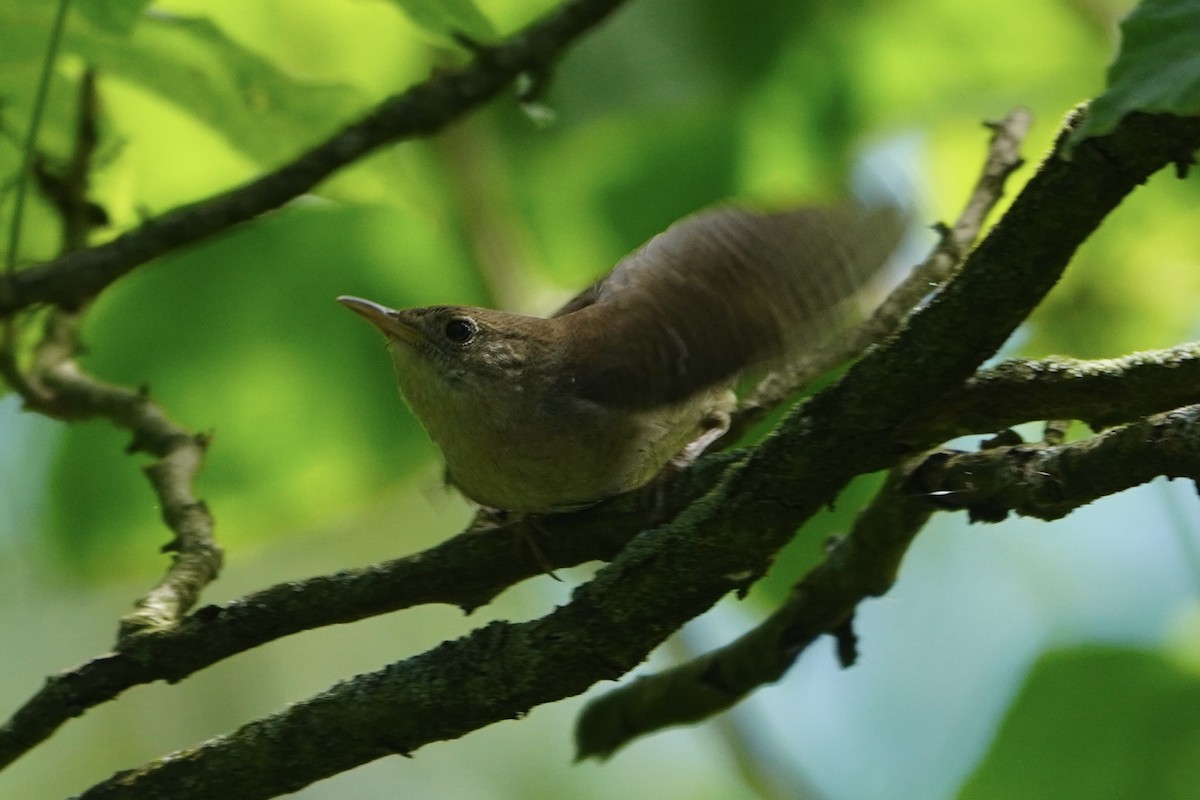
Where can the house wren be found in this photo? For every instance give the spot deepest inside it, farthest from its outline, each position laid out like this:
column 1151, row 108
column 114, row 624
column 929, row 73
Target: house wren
column 536, row 415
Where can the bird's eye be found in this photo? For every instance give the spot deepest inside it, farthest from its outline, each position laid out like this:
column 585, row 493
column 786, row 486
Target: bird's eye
column 460, row 330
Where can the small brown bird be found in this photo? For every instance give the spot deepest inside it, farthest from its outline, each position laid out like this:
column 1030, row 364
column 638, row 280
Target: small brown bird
column 537, row 415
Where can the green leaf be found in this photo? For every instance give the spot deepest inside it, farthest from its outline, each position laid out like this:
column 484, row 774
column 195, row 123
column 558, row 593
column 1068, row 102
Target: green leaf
column 1101, row 723
column 444, row 18
column 113, row 16
column 256, row 107
column 1156, row 70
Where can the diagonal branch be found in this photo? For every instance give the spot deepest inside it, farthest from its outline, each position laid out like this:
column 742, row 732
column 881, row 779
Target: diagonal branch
column 726, row 538
column 422, row 110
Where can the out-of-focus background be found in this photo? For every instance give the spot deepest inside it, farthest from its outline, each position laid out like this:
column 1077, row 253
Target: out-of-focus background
column 1017, row 660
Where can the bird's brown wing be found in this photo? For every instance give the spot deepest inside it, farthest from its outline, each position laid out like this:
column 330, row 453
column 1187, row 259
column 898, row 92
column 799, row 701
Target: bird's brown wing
column 716, row 293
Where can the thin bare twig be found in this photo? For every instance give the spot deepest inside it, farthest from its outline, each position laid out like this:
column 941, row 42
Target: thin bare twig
column 55, row 384
column 196, row 556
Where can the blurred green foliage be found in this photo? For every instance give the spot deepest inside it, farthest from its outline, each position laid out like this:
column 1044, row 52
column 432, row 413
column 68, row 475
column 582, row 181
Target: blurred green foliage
column 670, row 106
column 1142, row 739
column 449, row 18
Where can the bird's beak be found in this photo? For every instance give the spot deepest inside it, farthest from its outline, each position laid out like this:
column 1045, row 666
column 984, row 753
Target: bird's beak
column 389, row 321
